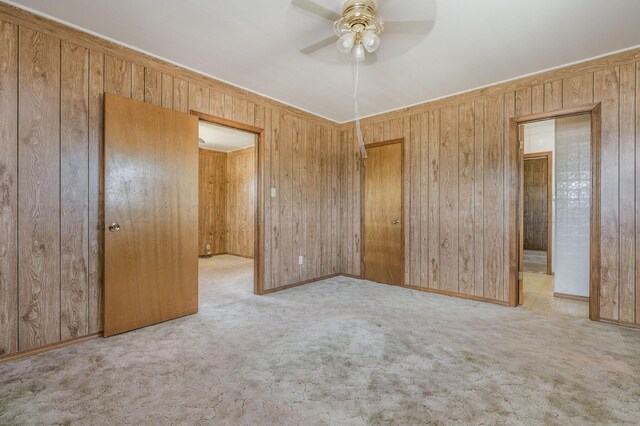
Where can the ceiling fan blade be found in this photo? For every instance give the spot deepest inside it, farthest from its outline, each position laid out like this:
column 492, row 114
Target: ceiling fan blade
column 408, row 27
column 316, row 9
column 320, row 45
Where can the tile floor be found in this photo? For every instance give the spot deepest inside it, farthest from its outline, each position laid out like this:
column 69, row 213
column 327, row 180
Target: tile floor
column 538, row 296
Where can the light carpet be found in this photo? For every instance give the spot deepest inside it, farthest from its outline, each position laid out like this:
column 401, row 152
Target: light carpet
column 340, row 351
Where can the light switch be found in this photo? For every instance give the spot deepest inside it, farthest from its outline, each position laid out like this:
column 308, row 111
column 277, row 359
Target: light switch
column 273, row 193
column 300, row 260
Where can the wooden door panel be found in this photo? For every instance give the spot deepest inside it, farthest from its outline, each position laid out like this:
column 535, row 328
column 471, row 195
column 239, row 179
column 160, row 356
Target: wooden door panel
column 383, row 239
column 535, row 204
column 151, row 191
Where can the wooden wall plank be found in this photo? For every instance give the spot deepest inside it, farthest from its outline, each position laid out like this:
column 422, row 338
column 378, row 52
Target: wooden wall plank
column 216, row 103
column 212, row 202
column 577, row 90
column 39, row 189
column 167, row 91
column 537, row 99
column 606, row 90
column 424, row 200
column 152, row 86
column 434, row 199
column 626, row 174
column 478, row 234
column 8, row 188
column 74, row 195
column 523, row 101
column 117, row 76
column 413, row 228
column 180, row 95
column 637, row 193
column 137, row 82
column 510, row 189
column 240, row 202
column 493, row 197
column 449, row 199
column 297, row 229
column 287, row 269
column 466, row 208
column 198, row 98
column 356, row 208
column 263, row 120
column 275, row 280
column 96, row 190
column 553, row 96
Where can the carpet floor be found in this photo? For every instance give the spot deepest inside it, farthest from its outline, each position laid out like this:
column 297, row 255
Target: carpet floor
column 340, row 351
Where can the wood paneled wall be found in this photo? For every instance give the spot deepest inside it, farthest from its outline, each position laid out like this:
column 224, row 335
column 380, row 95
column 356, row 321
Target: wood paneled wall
column 212, row 202
column 459, row 176
column 52, row 80
column 241, row 198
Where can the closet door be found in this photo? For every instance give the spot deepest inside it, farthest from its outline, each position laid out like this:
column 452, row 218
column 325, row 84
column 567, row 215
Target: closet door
column 383, row 230
column 151, row 214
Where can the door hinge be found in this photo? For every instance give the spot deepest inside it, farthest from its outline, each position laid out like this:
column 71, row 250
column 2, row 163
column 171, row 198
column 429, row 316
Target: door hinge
column 520, row 276
column 521, row 144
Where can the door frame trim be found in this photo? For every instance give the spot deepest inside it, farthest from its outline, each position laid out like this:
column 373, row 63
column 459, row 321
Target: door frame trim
column 362, row 206
column 258, row 239
column 595, row 110
column 549, row 156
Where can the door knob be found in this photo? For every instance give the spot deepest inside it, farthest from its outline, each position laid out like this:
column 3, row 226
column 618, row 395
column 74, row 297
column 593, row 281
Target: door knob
column 396, row 221
column 114, row 227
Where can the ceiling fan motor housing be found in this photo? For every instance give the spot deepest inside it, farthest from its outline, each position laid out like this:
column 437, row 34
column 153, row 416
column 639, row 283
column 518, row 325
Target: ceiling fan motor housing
column 359, row 16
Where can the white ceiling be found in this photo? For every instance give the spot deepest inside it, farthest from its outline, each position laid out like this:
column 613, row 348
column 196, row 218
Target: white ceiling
column 254, row 44
column 224, row 139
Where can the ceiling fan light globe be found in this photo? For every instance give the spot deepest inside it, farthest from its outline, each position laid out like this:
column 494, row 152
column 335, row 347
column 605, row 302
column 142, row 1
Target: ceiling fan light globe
column 370, row 41
column 346, row 42
column 358, row 53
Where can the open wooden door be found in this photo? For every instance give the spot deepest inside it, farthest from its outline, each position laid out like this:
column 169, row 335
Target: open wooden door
column 383, row 246
column 151, row 214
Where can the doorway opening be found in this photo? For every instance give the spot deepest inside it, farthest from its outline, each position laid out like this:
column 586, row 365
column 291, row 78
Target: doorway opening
column 228, row 200
column 382, row 213
column 559, row 212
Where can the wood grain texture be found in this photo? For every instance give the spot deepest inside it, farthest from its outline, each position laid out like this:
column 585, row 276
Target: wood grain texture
column 96, row 190
column 627, row 201
column 118, row 70
column 383, row 243
column 606, row 90
column 212, row 202
column 151, row 265
column 241, row 201
column 466, row 210
column 553, row 96
column 137, row 82
column 74, row 191
column 434, row 200
column 39, row 189
column 535, row 204
column 577, row 90
column 8, row 188
column 449, row 199
column 117, row 76
column 152, row 86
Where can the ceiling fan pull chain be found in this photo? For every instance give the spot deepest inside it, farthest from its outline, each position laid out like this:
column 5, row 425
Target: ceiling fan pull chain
column 363, row 151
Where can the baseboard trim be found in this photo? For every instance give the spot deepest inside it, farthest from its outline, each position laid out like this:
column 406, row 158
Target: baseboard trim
column 621, row 323
column 571, row 297
column 298, row 284
column 239, row 255
column 47, row 348
column 456, row 295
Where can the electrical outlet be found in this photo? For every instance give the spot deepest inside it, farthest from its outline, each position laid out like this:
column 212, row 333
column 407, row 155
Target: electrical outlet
column 300, row 260
column 273, row 193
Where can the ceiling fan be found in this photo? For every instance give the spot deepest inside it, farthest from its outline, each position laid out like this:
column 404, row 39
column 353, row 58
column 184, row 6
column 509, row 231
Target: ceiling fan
column 357, row 31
